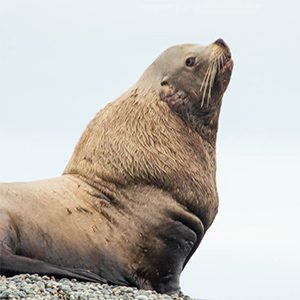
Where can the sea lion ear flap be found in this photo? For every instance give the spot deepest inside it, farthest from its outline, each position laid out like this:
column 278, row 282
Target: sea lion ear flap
column 165, row 80
column 175, row 99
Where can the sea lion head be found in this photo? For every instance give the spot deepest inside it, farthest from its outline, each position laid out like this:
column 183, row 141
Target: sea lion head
column 192, row 78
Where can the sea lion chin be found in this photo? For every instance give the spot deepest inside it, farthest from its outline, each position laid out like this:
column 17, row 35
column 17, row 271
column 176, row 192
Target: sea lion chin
column 139, row 191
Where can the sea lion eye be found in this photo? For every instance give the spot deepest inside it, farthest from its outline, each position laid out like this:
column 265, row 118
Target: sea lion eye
column 189, row 62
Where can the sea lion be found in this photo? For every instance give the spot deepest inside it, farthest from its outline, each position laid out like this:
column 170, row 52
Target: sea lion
column 139, row 192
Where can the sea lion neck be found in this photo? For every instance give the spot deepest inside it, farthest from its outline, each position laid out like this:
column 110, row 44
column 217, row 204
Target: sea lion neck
column 138, row 140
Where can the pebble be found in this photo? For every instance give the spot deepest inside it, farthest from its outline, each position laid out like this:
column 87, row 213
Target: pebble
column 35, row 287
column 141, row 297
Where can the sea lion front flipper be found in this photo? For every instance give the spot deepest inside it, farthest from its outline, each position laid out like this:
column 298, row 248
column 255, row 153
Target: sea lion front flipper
column 11, row 264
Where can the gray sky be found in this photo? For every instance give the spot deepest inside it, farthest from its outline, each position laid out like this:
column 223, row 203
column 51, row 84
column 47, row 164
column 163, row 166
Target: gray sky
column 61, row 61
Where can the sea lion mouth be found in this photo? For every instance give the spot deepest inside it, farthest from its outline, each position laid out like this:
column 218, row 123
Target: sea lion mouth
column 227, row 66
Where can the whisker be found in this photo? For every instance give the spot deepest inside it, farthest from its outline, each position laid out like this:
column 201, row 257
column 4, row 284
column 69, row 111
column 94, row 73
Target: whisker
column 203, row 82
column 216, row 61
column 212, row 78
column 206, row 83
column 220, row 61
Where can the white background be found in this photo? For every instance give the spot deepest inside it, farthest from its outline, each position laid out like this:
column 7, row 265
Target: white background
column 61, row 61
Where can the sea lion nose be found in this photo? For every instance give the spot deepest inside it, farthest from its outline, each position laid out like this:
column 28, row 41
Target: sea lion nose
column 223, row 45
column 220, row 42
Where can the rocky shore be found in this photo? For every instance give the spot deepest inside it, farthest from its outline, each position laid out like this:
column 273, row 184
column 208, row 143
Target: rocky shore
column 35, row 287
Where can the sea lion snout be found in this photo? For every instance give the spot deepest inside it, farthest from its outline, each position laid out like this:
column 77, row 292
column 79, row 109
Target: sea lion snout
column 221, row 43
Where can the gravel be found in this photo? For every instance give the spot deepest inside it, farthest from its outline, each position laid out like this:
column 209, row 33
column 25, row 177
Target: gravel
column 35, row 287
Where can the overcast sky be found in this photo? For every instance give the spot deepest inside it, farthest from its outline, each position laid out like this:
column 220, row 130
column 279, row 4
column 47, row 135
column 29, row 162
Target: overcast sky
column 61, row 61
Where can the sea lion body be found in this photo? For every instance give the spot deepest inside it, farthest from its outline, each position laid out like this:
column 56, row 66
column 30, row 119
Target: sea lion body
column 139, row 192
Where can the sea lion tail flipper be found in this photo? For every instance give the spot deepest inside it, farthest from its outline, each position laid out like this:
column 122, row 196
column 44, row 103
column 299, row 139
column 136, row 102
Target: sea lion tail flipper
column 11, row 264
